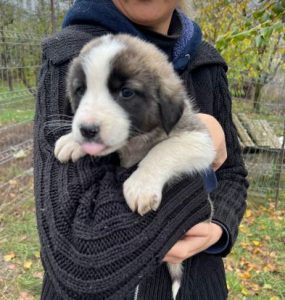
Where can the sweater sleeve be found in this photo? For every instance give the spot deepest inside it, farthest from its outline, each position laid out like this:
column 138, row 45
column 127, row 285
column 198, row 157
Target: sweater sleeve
column 230, row 197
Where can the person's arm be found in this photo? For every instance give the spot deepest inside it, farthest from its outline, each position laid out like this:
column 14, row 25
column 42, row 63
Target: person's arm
column 229, row 198
column 213, row 237
column 218, row 137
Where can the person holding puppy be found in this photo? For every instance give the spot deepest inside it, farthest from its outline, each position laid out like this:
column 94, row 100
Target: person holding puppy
column 203, row 71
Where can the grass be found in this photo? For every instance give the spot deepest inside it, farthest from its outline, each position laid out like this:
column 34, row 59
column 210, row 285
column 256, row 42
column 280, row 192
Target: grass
column 255, row 268
column 15, row 106
column 17, row 112
column 20, row 264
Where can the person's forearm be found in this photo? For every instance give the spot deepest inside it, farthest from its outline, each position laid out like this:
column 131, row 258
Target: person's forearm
column 218, row 137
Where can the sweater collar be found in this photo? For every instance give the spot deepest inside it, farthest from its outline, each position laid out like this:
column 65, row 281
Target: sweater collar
column 105, row 13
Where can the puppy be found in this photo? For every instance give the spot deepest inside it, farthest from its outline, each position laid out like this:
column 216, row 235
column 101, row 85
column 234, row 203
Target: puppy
column 126, row 97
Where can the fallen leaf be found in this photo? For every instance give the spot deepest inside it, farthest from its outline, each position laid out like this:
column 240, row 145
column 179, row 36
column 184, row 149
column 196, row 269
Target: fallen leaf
column 248, row 213
column 269, row 268
column 12, row 267
column 28, row 264
column 243, row 229
column 245, row 292
column 256, row 243
column 245, row 275
column 8, row 257
column 244, row 245
column 37, row 254
column 13, row 182
column 257, row 251
column 22, row 238
column 267, row 286
column 26, row 296
column 20, row 154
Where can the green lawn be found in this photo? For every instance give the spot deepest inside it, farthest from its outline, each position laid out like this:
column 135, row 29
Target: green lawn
column 20, row 267
column 15, row 106
column 17, row 112
column 256, row 266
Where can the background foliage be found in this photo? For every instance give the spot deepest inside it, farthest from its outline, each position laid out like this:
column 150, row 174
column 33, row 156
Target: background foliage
column 251, row 37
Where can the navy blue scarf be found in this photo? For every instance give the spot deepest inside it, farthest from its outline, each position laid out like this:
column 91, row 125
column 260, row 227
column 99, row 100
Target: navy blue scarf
column 105, row 13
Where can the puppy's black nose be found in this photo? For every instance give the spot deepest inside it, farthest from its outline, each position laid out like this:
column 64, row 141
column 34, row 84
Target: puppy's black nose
column 89, row 131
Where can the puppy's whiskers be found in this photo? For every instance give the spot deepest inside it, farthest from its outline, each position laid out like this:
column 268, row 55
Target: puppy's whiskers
column 58, row 123
column 60, row 116
column 54, row 126
column 58, row 129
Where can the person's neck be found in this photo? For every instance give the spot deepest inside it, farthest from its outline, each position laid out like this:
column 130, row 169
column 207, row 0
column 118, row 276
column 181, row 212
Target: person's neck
column 161, row 27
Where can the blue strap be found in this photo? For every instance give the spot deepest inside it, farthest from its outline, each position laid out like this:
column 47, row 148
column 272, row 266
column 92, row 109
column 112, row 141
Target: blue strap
column 210, row 180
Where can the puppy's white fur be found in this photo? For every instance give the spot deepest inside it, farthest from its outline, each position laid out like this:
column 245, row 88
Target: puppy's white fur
column 97, row 105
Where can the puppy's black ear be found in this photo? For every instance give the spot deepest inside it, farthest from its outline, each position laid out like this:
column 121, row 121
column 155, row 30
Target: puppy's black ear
column 171, row 109
column 75, row 84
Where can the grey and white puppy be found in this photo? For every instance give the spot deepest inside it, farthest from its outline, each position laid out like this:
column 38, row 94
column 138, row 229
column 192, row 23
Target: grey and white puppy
column 126, row 97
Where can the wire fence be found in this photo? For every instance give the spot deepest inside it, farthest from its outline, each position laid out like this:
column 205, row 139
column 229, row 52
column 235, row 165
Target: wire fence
column 19, row 66
column 260, row 121
column 260, row 127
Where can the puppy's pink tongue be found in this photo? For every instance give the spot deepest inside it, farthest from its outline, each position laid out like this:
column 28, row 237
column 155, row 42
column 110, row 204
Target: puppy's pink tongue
column 93, row 148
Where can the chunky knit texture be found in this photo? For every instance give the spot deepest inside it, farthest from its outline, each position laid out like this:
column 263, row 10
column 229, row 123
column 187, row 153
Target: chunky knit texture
column 203, row 279
column 93, row 247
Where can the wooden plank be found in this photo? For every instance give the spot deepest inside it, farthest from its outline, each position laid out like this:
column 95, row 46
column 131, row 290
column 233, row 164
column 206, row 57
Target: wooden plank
column 260, row 132
column 263, row 140
column 275, row 143
column 253, row 129
column 245, row 139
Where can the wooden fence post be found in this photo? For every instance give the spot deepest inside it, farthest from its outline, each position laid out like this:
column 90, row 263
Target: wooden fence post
column 280, row 169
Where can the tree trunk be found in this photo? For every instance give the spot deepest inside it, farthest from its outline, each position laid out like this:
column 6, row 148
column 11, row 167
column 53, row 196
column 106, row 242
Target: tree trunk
column 256, row 98
column 4, row 56
column 53, row 16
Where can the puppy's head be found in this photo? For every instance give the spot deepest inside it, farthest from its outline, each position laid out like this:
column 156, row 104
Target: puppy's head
column 120, row 87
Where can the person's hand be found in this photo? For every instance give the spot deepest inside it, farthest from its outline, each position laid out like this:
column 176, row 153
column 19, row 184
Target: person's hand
column 218, row 137
column 199, row 238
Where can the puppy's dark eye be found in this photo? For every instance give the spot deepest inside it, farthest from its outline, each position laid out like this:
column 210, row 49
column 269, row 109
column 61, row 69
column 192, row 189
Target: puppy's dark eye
column 80, row 91
column 127, row 93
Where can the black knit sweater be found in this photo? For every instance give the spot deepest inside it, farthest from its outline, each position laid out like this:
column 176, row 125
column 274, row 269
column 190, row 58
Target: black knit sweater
column 87, row 232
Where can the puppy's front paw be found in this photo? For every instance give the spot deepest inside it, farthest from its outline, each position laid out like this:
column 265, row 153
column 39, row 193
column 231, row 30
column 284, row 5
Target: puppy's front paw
column 66, row 148
column 142, row 192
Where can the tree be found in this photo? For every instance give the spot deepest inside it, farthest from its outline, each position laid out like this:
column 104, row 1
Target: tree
column 7, row 18
column 250, row 37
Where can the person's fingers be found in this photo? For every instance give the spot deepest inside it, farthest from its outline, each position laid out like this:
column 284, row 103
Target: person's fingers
column 197, row 239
